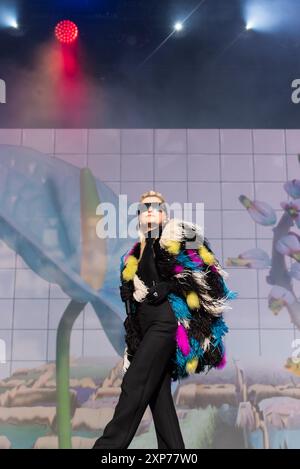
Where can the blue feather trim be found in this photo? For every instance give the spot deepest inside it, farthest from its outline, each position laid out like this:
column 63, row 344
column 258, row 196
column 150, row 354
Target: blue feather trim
column 185, row 260
column 231, row 295
column 219, row 329
column 122, row 262
column 179, row 307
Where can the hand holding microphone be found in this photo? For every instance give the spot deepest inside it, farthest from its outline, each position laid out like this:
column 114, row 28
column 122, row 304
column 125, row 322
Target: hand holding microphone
column 126, row 291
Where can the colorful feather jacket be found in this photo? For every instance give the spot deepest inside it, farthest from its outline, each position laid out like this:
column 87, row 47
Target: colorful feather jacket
column 184, row 254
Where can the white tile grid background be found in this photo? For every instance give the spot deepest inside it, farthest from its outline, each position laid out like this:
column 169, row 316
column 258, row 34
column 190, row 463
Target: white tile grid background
column 213, row 166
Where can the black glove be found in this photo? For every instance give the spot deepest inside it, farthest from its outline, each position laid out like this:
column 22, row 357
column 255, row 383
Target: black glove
column 157, row 293
column 126, row 291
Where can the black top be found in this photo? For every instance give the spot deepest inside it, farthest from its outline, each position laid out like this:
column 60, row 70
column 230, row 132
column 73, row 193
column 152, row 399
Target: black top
column 147, row 270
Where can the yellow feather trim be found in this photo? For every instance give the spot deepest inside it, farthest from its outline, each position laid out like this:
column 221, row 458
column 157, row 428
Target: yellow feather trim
column 131, row 267
column 207, row 256
column 173, row 247
column 191, row 365
column 192, row 300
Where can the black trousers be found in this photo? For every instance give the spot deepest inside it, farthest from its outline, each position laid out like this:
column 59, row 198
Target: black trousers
column 147, row 381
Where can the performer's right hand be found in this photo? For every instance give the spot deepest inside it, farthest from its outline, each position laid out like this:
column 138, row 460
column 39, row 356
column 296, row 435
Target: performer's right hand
column 126, row 291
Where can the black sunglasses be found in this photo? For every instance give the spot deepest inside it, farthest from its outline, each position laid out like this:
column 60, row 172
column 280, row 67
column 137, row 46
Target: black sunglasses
column 158, row 206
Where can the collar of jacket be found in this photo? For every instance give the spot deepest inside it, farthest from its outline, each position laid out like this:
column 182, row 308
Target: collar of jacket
column 181, row 253
column 178, row 238
column 175, row 232
column 197, row 272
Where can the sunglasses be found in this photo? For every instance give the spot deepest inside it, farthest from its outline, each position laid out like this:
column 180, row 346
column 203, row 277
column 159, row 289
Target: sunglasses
column 158, row 206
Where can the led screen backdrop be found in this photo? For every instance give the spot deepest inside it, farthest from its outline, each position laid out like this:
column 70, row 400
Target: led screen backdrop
column 50, row 180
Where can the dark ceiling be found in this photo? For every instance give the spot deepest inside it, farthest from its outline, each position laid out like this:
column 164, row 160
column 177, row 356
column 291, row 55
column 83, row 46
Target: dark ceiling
column 211, row 74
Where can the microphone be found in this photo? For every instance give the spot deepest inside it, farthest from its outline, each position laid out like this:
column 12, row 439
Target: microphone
column 127, row 302
column 128, row 307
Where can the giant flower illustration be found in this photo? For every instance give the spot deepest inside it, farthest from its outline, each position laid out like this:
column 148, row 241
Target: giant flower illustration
column 280, row 297
column 292, row 208
column 289, row 245
column 49, row 211
column 260, row 212
column 292, row 188
column 284, row 243
column 255, row 258
column 295, row 271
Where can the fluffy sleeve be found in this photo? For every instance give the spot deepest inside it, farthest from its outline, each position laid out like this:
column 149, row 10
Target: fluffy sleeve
column 131, row 325
column 203, row 296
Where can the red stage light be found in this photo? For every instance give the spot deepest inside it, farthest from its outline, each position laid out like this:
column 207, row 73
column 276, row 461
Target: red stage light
column 66, row 31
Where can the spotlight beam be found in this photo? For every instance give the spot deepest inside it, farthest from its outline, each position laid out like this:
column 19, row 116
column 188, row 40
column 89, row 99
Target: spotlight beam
column 228, row 46
column 157, row 48
column 172, row 32
column 231, row 44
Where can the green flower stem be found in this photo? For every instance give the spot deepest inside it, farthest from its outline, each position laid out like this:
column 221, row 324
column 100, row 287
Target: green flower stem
column 63, row 402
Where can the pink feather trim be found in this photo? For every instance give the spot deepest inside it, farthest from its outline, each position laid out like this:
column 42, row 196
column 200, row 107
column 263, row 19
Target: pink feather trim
column 222, row 362
column 182, row 340
column 178, row 269
column 194, row 256
column 131, row 251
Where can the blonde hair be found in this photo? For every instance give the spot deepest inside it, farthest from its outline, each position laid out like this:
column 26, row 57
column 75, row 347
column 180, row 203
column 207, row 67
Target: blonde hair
column 152, row 193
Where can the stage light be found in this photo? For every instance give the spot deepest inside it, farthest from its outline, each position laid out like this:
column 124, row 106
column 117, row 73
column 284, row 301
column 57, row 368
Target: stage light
column 178, row 26
column 9, row 20
column 66, row 31
column 259, row 16
column 13, row 23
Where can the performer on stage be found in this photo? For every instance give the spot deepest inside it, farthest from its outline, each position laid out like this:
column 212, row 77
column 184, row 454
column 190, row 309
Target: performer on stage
column 176, row 292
